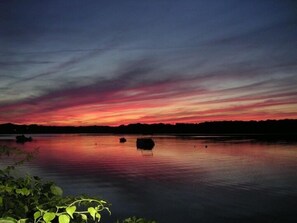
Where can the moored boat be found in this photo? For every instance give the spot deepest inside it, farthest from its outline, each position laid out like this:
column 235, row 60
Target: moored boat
column 23, row 138
column 145, row 143
column 123, row 140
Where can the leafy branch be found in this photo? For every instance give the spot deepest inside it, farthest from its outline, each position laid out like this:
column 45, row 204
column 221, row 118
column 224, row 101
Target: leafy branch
column 30, row 200
column 65, row 213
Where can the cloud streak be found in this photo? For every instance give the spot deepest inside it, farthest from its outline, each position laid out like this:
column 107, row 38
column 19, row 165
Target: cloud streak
column 114, row 64
column 128, row 98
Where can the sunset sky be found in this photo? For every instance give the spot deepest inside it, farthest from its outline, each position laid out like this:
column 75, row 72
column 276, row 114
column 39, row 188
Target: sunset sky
column 108, row 62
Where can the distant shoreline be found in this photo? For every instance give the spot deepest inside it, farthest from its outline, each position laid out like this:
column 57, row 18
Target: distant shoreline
column 235, row 128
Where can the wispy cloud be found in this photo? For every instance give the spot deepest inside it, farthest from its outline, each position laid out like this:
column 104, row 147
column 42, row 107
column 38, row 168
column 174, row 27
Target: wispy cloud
column 149, row 62
column 133, row 93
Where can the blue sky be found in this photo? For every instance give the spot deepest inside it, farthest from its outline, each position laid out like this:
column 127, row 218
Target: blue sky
column 117, row 62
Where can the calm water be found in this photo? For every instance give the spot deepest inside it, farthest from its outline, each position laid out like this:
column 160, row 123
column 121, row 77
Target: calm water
column 178, row 181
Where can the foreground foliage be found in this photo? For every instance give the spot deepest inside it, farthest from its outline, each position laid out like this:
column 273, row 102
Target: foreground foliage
column 30, row 200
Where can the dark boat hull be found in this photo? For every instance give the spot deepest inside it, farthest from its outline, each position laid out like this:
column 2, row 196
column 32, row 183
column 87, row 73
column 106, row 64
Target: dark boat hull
column 145, row 143
column 23, row 139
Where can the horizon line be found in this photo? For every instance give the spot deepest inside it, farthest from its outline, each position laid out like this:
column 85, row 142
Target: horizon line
column 156, row 123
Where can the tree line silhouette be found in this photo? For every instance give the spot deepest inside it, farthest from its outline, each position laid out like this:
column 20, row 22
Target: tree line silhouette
column 285, row 126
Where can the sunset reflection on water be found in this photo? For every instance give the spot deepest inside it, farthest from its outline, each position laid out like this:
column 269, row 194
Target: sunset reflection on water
column 240, row 179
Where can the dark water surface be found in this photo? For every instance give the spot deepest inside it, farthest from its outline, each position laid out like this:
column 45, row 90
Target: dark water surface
column 178, row 181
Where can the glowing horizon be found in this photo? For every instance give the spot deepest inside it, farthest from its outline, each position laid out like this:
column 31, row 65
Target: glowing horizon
column 142, row 62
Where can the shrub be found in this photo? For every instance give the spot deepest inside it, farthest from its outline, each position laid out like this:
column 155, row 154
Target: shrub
column 30, row 200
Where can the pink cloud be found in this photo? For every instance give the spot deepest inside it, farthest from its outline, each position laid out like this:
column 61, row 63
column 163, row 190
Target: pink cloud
column 179, row 99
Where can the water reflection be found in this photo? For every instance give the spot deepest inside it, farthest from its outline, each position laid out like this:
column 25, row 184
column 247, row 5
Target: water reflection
column 146, row 153
column 180, row 180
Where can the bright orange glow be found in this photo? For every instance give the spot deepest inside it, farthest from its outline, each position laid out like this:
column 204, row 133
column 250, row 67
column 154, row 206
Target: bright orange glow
column 164, row 102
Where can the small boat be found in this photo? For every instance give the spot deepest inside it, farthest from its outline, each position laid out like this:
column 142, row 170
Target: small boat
column 145, row 143
column 123, row 140
column 23, row 139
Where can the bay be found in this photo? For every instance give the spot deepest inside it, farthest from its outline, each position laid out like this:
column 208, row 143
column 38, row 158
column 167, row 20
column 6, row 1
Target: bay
column 182, row 179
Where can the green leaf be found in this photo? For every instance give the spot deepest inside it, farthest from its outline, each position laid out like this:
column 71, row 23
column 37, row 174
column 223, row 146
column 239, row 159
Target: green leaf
column 56, row 190
column 71, row 210
column 22, row 220
column 26, row 208
column 8, row 189
column 127, row 220
column 64, row 218
column 140, row 220
column 98, row 215
column 108, row 210
column 37, row 214
column 49, row 216
column 8, row 220
column 92, row 212
column 1, row 201
column 84, row 217
column 18, row 191
column 25, row 191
